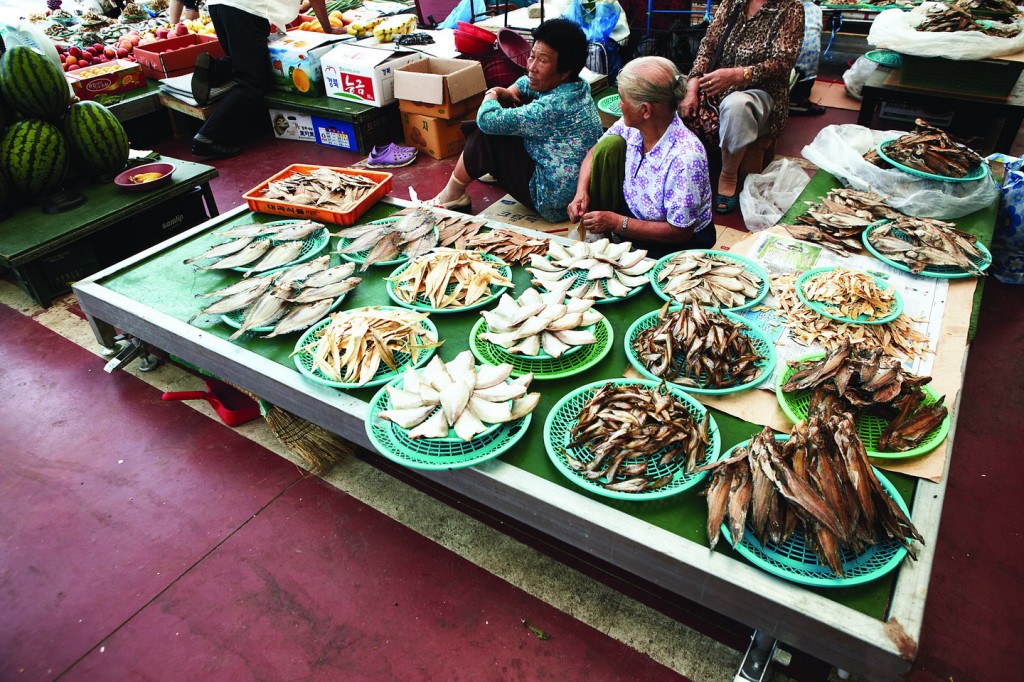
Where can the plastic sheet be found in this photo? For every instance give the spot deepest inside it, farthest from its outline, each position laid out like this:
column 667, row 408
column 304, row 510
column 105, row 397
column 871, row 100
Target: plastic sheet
column 894, row 29
column 767, row 196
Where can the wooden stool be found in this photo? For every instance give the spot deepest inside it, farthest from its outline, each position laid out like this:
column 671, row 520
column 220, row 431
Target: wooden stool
column 176, row 105
column 759, row 154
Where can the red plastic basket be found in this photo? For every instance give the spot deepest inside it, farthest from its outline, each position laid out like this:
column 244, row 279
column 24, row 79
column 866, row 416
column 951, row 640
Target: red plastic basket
column 499, row 70
column 258, row 203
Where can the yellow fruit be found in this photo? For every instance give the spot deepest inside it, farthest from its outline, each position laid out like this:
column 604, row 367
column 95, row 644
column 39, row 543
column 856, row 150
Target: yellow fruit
column 301, row 80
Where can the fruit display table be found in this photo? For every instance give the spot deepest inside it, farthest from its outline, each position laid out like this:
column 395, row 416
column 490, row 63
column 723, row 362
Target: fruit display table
column 47, row 251
column 870, row 628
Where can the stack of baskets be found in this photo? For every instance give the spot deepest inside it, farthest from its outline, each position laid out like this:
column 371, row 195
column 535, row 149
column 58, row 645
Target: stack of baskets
column 502, row 66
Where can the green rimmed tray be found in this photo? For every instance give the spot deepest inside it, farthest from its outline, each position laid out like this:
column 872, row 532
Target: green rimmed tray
column 360, row 256
column 869, row 427
column 304, row 361
column 820, row 308
column 422, row 303
column 762, row 344
column 237, row 317
column 563, row 416
column 551, row 368
column 611, row 105
column 393, row 442
column 977, row 173
column 938, row 271
column 746, row 263
column 312, row 246
column 795, row 562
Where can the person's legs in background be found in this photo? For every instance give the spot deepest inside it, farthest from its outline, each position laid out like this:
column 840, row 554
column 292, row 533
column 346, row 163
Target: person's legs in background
column 503, row 156
column 608, row 175
column 189, row 9
column 800, row 103
column 743, row 117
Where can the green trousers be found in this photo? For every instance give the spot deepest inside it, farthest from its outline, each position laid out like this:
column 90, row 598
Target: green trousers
column 608, row 175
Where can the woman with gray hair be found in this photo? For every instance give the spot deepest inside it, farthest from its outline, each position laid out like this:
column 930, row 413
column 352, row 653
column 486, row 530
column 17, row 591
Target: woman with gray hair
column 646, row 180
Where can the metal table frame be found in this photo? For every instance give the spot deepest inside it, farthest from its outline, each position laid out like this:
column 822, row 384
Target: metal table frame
column 800, row 619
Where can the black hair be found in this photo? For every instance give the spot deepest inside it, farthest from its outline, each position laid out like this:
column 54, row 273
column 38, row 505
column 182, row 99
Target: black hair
column 568, row 40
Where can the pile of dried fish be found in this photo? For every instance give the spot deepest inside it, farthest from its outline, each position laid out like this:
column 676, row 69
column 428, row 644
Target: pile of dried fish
column 808, row 328
column 850, row 293
column 869, row 382
column 510, row 246
column 538, row 321
column 351, row 347
column 448, row 278
column 292, row 300
column 929, row 150
column 690, row 277
column 960, row 17
column 264, row 247
column 636, row 422
column 925, row 242
column 321, row 187
column 698, row 347
column 982, row 7
column 839, row 219
column 458, row 395
column 819, row 483
column 594, row 270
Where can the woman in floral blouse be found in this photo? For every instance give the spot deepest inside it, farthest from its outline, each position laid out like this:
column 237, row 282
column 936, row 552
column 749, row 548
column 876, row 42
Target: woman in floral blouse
column 532, row 137
column 749, row 81
column 647, row 181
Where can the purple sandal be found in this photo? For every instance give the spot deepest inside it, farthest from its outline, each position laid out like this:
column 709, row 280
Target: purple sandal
column 391, row 156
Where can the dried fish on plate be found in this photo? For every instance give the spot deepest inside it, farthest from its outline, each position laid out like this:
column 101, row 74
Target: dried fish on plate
column 920, row 243
column 838, row 220
column 695, row 277
column 448, row 279
column 321, row 187
column 351, row 347
column 515, row 248
column 594, row 270
column 929, row 150
column 538, row 322
column 452, row 230
column 458, row 395
column 849, row 293
column 410, row 234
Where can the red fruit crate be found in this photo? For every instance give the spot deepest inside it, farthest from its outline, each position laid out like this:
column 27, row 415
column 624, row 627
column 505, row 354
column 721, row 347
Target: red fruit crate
column 175, row 56
column 260, row 204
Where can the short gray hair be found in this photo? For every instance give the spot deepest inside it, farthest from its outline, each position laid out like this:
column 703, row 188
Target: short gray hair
column 655, row 80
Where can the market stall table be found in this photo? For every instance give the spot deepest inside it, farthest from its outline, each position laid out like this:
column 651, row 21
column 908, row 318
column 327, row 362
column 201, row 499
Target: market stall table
column 870, row 629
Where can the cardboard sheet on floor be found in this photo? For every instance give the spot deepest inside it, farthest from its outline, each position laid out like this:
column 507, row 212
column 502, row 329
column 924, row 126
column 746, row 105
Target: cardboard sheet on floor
column 509, row 211
column 833, row 95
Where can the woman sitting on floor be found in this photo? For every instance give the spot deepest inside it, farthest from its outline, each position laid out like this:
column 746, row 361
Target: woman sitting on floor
column 532, row 136
column 646, row 180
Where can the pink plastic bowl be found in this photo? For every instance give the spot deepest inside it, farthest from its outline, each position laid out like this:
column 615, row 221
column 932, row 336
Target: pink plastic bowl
column 474, row 30
column 124, row 178
column 515, row 46
column 468, row 43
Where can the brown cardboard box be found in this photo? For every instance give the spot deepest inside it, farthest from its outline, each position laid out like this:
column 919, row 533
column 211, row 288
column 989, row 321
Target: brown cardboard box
column 438, row 138
column 440, row 88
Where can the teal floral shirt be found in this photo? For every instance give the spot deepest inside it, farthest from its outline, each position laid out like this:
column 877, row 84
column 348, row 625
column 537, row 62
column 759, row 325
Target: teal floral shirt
column 558, row 128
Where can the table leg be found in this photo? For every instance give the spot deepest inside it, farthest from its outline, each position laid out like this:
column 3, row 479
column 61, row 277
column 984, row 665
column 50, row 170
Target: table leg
column 211, row 203
column 868, row 104
column 103, row 332
column 1008, row 133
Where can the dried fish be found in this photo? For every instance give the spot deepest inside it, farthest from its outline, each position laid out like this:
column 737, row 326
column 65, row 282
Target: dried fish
column 591, row 270
column 838, row 220
column 267, row 309
column 851, row 294
column 276, row 257
column 930, row 150
column 221, row 250
column 448, row 278
column 510, row 246
column 251, row 253
column 321, row 187
column 922, row 242
column 705, row 279
column 959, row 16
column 535, row 321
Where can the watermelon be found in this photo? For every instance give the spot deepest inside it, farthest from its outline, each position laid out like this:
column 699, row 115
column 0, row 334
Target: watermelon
column 35, row 157
column 99, row 145
column 33, row 85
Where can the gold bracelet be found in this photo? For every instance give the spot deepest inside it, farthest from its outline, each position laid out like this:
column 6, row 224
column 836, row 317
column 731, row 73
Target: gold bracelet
column 746, row 73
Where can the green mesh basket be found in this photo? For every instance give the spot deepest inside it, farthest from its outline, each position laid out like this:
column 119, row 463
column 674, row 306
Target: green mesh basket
column 564, row 415
column 887, row 59
column 977, row 173
column 745, row 263
column 938, row 271
column 869, row 426
column 795, row 562
column 821, row 308
column 543, row 368
column 611, row 105
column 762, row 345
column 236, row 317
column 422, row 303
column 304, row 360
column 312, row 246
column 360, row 256
column 393, row 442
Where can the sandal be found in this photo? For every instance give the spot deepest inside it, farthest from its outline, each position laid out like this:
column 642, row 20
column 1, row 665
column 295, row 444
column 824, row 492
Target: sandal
column 391, row 156
column 725, row 203
column 806, row 109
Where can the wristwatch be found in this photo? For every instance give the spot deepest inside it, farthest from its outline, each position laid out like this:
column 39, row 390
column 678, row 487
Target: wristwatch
column 625, row 225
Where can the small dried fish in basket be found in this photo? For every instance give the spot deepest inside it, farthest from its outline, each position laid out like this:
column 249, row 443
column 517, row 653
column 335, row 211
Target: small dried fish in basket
column 452, row 230
column 922, row 242
column 458, row 395
column 536, row 322
column 960, row 17
column 929, row 150
column 448, row 278
column 510, row 246
column 819, row 484
column 690, row 277
column 622, row 422
column 411, row 234
column 838, row 220
column 596, row 270
column 321, row 187
column 850, row 293
column 352, row 346
column 698, row 347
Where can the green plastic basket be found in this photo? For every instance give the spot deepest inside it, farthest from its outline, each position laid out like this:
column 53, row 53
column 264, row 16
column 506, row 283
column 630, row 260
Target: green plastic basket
column 360, row 256
column 977, row 173
column 795, row 562
column 938, row 271
column 611, row 105
column 312, row 246
column 762, row 345
column 746, row 263
column 304, row 361
column 888, row 59
column 820, row 308
column 422, row 303
column 393, row 442
column 869, row 427
column 547, row 368
column 563, row 416
column 236, row 317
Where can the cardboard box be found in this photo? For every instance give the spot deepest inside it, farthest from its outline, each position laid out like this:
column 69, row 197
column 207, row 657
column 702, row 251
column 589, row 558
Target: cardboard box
column 510, row 212
column 438, row 138
column 110, row 78
column 291, row 125
column 175, row 56
column 439, row 88
column 363, row 74
column 295, row 61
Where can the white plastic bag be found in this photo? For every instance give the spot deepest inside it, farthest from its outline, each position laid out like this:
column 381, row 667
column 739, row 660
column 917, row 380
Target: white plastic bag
column 894, row 29
column 840, row 149
column 767, row 196
column 857, row 75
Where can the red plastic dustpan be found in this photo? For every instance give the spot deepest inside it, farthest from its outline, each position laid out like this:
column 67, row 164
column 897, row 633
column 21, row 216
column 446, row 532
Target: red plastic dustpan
column 232, row 406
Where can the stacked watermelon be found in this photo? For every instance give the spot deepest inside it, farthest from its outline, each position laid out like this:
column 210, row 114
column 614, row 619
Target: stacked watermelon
column 38, row 150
